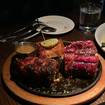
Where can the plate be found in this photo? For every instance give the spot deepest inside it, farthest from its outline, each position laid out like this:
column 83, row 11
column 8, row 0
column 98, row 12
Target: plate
column 100, row 35
column 34, row 98
column 61, row 23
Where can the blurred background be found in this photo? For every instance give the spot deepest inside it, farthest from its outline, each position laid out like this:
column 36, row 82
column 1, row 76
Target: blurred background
column 25, row 10
column 15, row 11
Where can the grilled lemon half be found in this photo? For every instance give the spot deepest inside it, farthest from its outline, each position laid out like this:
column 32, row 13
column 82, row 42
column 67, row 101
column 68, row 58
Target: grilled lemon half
column 49, row 42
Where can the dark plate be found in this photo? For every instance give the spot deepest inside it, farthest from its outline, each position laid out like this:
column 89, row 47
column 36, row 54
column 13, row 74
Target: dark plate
column 67, row 87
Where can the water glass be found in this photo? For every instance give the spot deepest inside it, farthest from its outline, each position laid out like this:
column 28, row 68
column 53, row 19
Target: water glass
column 90, row 14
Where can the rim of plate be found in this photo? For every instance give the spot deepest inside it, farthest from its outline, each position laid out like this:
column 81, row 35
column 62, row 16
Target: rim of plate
column 100, row 31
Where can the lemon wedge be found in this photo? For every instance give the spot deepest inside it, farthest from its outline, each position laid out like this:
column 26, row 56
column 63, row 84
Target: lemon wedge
column 49, row 43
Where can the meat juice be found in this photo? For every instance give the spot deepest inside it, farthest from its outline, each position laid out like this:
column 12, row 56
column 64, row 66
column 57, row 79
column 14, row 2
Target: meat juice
column 89, row 18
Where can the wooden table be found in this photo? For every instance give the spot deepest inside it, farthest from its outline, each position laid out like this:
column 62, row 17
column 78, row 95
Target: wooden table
column 7, row 98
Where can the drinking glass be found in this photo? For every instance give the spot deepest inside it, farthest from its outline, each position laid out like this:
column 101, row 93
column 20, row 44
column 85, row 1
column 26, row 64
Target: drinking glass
column 90, row 14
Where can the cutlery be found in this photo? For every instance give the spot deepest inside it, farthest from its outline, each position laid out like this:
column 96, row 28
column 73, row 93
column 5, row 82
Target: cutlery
column 48, row 29
column 31, row 36
column 3, row 40
column 37, row 24
column 42, row 28
column 7, row 38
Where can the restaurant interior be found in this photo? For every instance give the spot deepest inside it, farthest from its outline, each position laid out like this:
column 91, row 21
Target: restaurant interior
column 17, row 15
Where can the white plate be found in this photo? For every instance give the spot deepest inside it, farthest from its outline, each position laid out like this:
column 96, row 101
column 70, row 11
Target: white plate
column 61, row 23
column 100, row 35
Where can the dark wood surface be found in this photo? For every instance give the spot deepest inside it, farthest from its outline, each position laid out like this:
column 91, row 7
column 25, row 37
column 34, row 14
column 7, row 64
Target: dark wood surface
column 8, row 98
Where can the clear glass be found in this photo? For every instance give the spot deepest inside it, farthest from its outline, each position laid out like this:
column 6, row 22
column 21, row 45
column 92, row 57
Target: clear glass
column 90, row 14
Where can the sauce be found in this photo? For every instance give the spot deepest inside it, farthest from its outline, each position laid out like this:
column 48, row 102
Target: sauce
column 25, row 49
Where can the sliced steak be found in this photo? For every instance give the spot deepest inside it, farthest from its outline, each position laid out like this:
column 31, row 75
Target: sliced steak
column 80, row 56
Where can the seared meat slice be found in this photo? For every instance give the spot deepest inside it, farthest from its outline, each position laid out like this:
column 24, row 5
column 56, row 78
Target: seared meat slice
column 81, row 47
column 89, row 68
column 56, row 51
column 27, row 61
column 37, row 70
column 80, row 57
column 90, row 59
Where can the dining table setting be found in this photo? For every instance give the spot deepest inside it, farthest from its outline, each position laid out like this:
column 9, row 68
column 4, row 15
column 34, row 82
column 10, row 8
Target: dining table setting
column 50, row 33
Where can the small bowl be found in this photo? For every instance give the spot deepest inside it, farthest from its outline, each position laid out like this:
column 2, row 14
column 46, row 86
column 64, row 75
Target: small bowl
column 100, row 35
column 24, row 47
